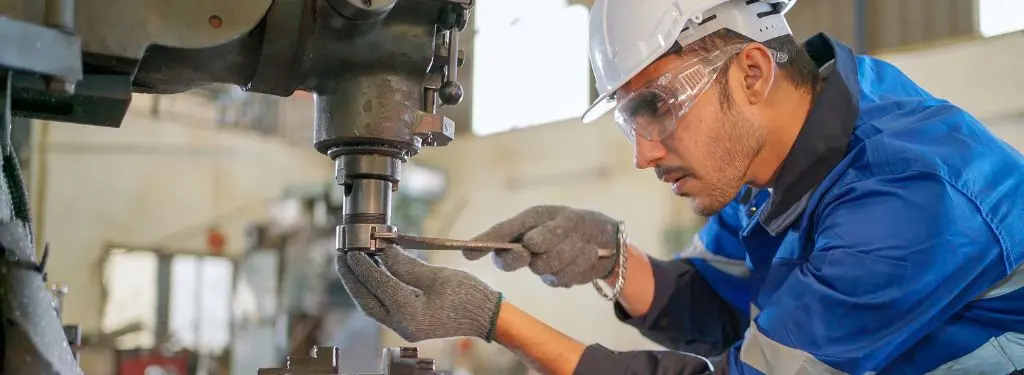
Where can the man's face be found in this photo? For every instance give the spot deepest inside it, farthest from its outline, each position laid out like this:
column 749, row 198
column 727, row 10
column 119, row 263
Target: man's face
column 707, row 156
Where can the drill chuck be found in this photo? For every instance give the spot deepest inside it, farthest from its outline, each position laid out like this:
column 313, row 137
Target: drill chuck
column 369, row 180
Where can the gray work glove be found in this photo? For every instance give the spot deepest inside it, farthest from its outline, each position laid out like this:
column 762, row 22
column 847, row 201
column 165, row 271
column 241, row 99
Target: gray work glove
column 561, row 244
column 417, row 300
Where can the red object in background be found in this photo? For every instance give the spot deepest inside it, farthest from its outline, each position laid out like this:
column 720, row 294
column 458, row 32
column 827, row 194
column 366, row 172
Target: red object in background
column 215, row 240
column 464, row 345
column 131, row 362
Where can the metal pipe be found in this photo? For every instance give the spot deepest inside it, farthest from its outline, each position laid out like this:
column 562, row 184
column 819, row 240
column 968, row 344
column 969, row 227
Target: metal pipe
column 453, row 55
column 369, row 180
column 38, row 179
column 368, row 201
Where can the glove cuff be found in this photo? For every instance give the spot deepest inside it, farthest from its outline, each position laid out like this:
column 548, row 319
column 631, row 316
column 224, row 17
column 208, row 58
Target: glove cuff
column 489, row 337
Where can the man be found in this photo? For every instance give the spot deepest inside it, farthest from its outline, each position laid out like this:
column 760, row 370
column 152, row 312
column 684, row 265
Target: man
column 857, row 223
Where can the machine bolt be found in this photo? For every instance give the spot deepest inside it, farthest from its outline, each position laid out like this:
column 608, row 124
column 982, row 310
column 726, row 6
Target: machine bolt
column 425, row 366
column 60, row 86
column 408, row 352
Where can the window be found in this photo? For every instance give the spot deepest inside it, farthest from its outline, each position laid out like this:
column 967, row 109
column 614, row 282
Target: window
column 130, row 281
column 201, row 297
column 530, row 64
column 1000, row 16
column 198, row 297
column 255, row 298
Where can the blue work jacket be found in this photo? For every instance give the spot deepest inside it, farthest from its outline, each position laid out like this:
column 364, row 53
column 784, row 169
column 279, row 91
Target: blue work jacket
column 891, row 242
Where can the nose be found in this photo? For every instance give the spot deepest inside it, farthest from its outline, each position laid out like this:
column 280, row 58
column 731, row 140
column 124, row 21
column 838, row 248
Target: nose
column 646, row 154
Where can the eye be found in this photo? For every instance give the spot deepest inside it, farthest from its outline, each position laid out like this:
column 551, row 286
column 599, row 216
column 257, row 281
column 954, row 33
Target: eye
column 663, row 108
column 645, row 105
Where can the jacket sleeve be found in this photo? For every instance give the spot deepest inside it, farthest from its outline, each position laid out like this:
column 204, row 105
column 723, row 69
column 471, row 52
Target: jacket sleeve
column 687, row 314
column 894, row 257
column 700, row 299
column 598, row 360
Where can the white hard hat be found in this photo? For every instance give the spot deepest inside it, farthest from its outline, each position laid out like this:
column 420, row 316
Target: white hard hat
column 628, row 35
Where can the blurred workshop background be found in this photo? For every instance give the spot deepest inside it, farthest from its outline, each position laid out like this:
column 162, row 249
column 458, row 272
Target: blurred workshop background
column 200, row 234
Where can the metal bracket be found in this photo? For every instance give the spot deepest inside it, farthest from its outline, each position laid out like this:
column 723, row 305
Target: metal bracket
column 39, row 49
column 435, row 130
column 443, row 80
column 99, row 100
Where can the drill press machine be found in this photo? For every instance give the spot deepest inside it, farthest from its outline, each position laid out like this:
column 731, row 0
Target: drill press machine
column 378, row 69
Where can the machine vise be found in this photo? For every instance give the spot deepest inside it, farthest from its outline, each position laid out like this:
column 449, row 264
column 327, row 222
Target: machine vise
column 324, row 361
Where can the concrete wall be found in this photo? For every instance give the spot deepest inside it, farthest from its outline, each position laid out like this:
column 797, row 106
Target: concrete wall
column 886, row 24
column 589, row 166
column 157, row 182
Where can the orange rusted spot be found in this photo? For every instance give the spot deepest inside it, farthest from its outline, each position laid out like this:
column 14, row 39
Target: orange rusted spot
column 215, row 21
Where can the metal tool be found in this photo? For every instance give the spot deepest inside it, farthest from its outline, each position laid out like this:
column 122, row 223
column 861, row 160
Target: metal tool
column 432, row 243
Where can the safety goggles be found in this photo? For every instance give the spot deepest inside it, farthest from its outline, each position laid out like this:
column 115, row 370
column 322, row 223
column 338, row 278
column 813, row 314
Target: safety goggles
column 653, row 110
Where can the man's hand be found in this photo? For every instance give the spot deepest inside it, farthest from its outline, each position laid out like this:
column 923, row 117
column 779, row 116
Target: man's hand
column 417, row 300
column 421, row 302
column 561, row 244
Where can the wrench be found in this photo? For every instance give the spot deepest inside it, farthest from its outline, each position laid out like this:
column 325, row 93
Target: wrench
column 431, row 243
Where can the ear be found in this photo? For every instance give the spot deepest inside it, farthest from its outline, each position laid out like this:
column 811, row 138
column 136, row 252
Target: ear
column 758, row 69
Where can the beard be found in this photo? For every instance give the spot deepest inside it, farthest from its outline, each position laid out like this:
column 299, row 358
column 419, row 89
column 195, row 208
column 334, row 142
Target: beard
column 739, row 140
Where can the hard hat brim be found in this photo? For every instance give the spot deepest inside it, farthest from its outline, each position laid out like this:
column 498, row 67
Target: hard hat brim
column 603, row 105
column 598, row 108
column 672, row 24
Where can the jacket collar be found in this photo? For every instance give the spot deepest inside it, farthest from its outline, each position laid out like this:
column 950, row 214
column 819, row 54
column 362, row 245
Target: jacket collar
column 823, row 140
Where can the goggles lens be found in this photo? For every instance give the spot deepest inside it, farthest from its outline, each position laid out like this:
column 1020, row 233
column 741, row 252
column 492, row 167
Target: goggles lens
column 653, row 110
